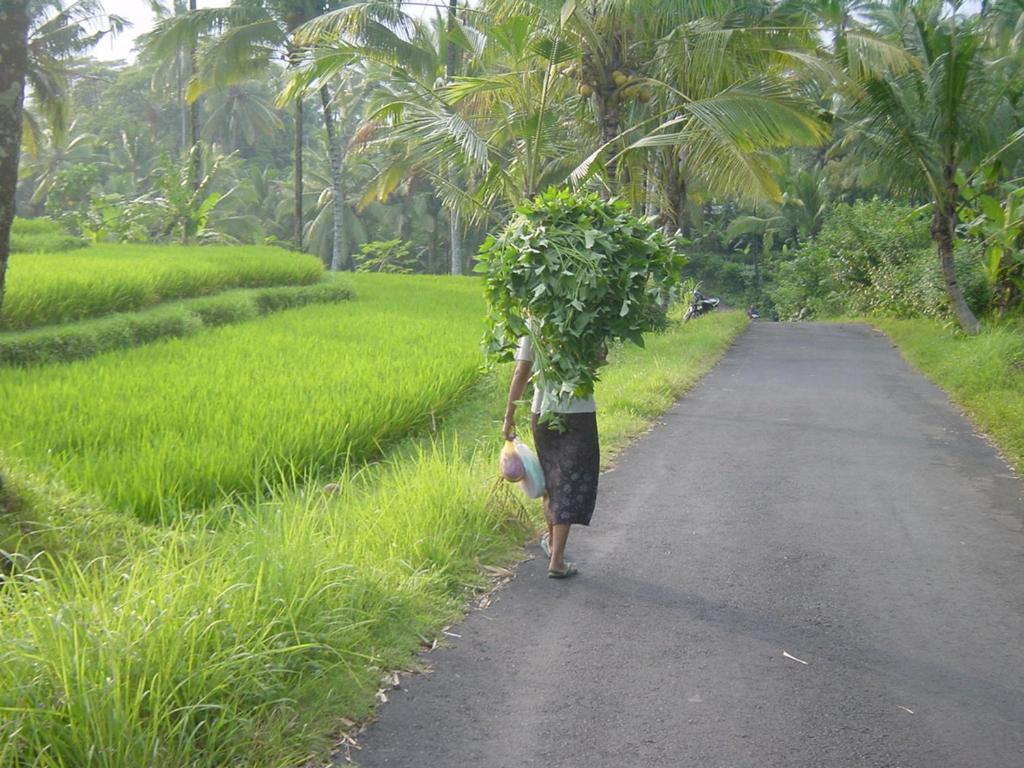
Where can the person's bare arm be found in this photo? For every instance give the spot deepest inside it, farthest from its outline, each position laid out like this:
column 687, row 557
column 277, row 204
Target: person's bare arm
column 520, row 379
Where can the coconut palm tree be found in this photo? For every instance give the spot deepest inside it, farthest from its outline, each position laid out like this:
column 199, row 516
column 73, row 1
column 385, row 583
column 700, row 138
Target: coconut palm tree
column 37, row 37
column 239, row 41
column 926, row 126
column 427, row 54
column 240, row 115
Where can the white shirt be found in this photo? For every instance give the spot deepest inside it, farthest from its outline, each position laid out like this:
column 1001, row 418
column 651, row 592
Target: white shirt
column 544, row 398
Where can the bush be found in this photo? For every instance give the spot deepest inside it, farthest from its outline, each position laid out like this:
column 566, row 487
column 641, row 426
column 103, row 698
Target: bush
column 391, row 256
column 916, row 287
column 874, row 257
column 805, row 286
column 723, row 274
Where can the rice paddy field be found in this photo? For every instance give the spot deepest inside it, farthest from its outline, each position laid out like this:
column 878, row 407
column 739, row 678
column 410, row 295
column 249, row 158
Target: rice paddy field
column 177, row 425
column 42, row 236
column 50, row 288
column 182, row 588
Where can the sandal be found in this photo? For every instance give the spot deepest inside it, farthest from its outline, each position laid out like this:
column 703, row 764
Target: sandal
column 565, row 573
column 545, row 544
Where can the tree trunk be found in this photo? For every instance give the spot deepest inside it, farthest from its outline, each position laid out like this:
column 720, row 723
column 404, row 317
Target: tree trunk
column 195, row 158
column 455, row 233
column 297, row 160
column 454, row 219
column 14, row 55
column 943, row 233
column 179, row 73
column 676, row 192
column 339, row 253
column 608, row 121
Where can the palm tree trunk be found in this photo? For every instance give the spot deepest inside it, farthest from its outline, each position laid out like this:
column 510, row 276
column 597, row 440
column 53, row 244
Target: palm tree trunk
column 454, row 219
column 193, row 118
column 676, row 192
column 943, row 233
column 14, row 55
column 608, row 120
column 297, row 160
column 339, row 253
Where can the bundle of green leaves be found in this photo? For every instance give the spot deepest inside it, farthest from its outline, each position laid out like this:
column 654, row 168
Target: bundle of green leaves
column 576, row 273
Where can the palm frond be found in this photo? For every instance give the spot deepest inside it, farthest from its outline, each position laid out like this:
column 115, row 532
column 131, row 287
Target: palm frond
column 177, row 33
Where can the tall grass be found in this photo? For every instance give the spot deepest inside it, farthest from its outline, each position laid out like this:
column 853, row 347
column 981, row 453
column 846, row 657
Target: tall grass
column 245, row 646
column 983, row 373
column 48, row 288
column 235, row 648
column 178, row 424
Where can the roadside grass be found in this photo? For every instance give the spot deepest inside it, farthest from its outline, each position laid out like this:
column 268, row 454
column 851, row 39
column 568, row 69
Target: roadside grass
column 165, row 429
column 984, row 374
column 51, row 288
column 88, row 338
column 42, row 236
column 250, row 644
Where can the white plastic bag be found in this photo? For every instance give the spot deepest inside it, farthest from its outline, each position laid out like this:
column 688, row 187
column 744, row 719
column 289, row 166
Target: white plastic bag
column 520, row 465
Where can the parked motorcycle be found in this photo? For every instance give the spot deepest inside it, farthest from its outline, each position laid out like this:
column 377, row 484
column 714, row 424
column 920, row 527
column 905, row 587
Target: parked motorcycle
column 701, row 305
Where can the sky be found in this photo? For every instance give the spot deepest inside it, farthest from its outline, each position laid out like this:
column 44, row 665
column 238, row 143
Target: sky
column 138, row 13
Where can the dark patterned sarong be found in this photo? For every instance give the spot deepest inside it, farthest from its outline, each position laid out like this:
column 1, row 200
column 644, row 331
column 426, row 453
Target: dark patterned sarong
column 571, row 461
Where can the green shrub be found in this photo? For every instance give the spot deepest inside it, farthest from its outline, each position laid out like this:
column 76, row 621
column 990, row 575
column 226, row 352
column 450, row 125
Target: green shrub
column 391, row 256
column 728, row 275
column 591, row 269
column 874, row 257
column 805, row 286
column 915, row 287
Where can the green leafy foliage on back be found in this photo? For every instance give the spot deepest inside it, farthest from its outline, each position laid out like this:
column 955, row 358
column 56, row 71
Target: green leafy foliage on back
column 584, row 272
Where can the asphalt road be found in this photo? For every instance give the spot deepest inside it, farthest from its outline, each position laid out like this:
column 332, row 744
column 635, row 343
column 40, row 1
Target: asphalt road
column 812, row 497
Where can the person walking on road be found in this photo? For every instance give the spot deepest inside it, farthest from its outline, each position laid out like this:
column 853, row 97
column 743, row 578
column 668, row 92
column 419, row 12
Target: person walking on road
column 569, row 454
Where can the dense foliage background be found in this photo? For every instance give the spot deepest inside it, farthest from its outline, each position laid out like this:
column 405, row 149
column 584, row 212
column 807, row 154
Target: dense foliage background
column 395, row 138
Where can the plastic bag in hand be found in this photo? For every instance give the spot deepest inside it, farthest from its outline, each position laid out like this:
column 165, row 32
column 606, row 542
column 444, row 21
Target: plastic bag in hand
column 519, row 464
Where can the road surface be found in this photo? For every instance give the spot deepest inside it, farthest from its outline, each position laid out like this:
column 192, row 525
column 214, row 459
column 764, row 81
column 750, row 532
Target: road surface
column 813, row 560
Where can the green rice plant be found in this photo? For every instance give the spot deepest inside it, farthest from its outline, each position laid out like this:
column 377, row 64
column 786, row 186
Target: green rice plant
column 88, row 338
column 181, row 423
column 45, row 289
column 42, row 236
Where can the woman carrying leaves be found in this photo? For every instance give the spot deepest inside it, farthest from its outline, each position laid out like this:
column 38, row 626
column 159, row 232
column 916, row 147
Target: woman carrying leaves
column 569, row 452
column 567, row 276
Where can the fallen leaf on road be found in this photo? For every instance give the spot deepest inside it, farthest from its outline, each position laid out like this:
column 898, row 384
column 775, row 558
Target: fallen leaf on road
column 905, row 709
column 794, row 658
